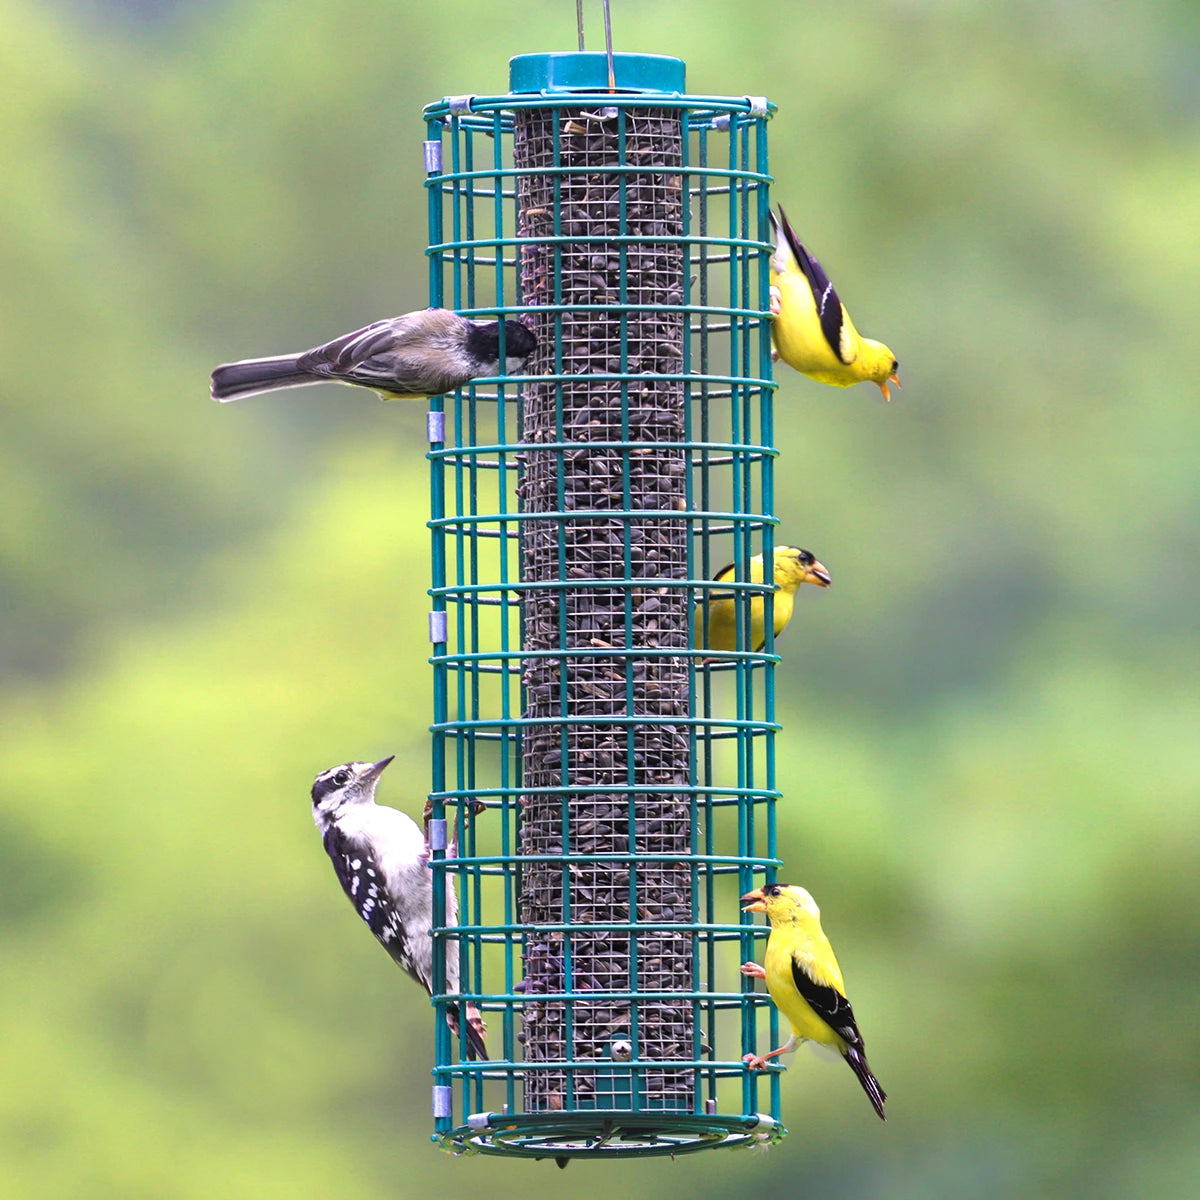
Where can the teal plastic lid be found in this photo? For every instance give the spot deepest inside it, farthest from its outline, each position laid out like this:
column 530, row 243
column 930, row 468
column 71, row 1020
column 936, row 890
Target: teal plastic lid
column 587, row 71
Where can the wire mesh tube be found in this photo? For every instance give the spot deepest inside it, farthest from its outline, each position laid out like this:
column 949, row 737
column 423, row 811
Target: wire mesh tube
column 611, row 787
column 601, row 694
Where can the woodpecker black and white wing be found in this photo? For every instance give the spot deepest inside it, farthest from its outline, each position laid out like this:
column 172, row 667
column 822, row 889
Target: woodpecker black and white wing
column 381, row 858
column 362, row 879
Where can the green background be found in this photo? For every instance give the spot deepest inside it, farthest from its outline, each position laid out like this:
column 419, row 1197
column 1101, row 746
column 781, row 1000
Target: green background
column 991, row 757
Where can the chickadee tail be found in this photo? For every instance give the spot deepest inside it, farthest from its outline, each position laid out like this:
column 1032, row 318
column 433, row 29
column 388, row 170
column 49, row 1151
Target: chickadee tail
column 232, row 381
column 870, row 1085
column 476, row 1046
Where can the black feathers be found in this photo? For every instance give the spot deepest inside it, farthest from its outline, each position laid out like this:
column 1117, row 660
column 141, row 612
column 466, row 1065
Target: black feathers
column 858, row 1064
column 381, row 858
column 483, row 341
column 360, row 877
column 829, row 1004
column 829, row 307
column 834, row 1009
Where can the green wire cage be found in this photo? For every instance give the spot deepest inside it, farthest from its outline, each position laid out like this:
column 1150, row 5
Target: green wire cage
column 602, row 790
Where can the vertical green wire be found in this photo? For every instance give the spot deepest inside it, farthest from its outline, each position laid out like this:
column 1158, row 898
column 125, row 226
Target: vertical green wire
column 556, row 119
column 750, row 477
column 627, row 599
column 700, row 881
column 437, row 509
column 473, row 739
column 472, row 876
column 743, row 364
column 461, row 642
column 765, row 371
column 502, row 472
column 702, row 566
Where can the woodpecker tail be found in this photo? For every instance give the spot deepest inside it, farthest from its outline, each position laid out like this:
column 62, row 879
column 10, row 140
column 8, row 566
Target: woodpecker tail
column 232, row 381
column 476, row 1046
column 858, row 1064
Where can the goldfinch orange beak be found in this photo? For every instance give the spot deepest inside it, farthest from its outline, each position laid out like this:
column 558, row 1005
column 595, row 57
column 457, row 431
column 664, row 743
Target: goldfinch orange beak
column 819, row 575
column 754, row 901
column 883, row 387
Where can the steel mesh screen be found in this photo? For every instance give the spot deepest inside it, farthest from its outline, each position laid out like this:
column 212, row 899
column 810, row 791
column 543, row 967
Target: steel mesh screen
column 611, row 786
column 596, row 671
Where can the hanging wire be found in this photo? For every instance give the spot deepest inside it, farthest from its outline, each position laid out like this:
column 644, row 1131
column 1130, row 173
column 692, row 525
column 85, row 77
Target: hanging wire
column 612, row 74
column 579, row 21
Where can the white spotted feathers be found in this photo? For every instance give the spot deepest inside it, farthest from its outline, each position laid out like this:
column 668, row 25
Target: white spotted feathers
column 381, row 858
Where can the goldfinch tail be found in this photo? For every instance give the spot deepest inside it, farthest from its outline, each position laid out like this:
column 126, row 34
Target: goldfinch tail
column 858, row 1064
column 783, row 258
column 232, row 381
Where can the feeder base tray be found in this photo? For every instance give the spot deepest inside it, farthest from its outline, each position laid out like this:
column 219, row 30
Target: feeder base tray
column 608, row 1135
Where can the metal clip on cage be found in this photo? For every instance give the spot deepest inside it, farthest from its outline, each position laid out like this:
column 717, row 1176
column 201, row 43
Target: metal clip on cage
column 612, row 788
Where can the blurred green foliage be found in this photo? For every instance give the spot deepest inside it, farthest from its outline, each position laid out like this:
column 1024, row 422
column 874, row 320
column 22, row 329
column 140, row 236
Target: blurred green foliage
column 991, row 757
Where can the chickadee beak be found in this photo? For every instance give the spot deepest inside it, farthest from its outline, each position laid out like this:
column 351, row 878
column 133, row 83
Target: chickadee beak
column 754, row 901
column 819, row 575
column 377, row 768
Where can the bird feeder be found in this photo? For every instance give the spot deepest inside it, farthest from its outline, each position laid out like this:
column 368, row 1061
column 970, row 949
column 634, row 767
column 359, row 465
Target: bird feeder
column 602, row 791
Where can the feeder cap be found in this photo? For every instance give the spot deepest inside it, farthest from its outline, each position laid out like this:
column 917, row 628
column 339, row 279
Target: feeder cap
column 587, row 71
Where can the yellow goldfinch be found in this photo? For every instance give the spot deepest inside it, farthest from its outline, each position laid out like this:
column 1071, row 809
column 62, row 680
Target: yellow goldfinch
column 793, row 567
column 812, row 330
column 805, row 982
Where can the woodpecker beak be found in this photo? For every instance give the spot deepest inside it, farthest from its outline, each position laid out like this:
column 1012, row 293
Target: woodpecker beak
column 377, row 768
column 819, row 575
column 754, row 901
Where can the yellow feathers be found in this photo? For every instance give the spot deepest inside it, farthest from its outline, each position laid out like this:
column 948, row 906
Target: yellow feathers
column 792, row 568
column 805, row 982
column 812, row 330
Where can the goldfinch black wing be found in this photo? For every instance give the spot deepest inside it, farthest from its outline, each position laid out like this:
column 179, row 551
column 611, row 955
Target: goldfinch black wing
column 828, row 1003
column 829, row 307
column 727, row 573
column 834, row 1009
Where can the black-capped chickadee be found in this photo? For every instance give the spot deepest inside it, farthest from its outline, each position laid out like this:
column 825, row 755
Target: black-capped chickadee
column 411, row 357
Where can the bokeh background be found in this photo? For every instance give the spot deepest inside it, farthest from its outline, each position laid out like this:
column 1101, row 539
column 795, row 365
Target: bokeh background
column 992, row 723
